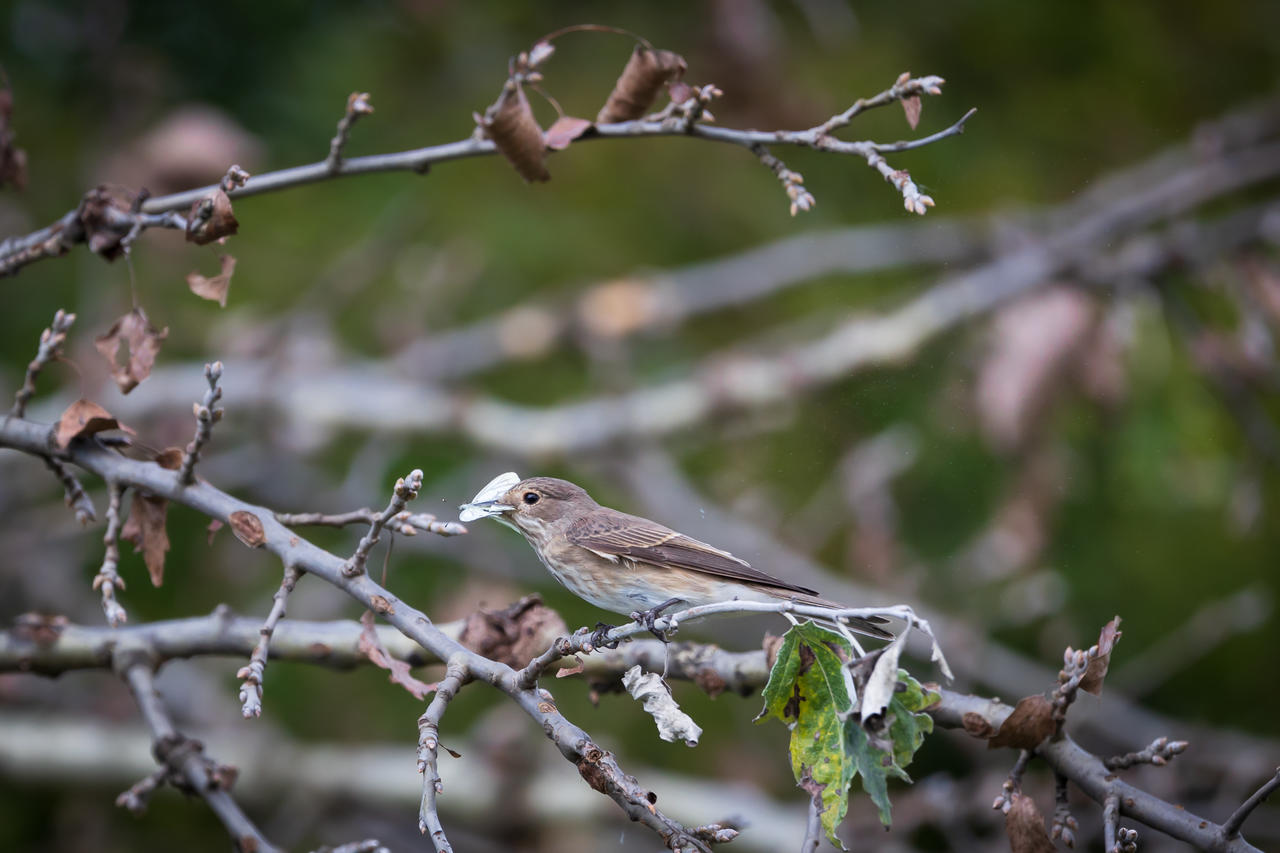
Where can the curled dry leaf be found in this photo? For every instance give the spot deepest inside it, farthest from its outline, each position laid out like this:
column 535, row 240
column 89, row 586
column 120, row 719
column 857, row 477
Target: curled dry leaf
column 1029, row 724
column 83, row 418
column 371, row 647
column 143, row 340
column 1025, row 827
column 649, row 689
column 211, row 218
column 104, row 227
column 565, row 130
column 145, row 528
column 1098, row 666
column 248, row 528
column 515, row 133
column 214, row 289
column 647, row 71
column 514, row 635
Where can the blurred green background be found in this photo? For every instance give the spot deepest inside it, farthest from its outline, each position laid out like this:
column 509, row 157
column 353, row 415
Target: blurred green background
column 1154, row 504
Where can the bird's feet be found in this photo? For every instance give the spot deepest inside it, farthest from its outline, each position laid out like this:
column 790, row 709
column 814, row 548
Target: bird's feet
column 648, row 617
column 598, row 636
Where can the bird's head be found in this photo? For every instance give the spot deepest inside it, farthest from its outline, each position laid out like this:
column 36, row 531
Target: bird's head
column 528, row 505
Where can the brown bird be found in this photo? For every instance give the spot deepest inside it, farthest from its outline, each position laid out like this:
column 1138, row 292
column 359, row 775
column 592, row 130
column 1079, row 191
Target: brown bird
column 624, row 563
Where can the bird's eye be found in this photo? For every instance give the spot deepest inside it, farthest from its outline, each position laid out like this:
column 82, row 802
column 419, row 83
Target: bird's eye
column 531, row 498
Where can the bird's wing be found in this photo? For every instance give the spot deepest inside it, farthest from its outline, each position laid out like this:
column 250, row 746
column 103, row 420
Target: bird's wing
column 613, row 535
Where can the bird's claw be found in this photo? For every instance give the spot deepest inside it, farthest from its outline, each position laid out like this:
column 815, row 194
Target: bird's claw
column 647, row 618
column 599, row 635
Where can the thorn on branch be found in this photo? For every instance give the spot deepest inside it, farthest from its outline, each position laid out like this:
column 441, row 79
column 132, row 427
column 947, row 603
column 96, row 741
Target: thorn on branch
column 357, row 106
column 255, row 671
column 108, row 579
column 405, row 491
column 792, row 182
column 1159, row 752
column 207, row 414
column 50, row 349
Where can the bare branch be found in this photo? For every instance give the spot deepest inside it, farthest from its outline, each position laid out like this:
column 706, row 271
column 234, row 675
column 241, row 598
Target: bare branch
column 1159, row 752
column 108, row 579
column 1064, row 825
column 456, row 675
column 251, row 690
column 405, row 523
column 188, row 768
column 812, row 828
column 405, row 491
column 1231, row 828
column 207, row 414
column 357, row 106
column 51, row 341
column 76, row 497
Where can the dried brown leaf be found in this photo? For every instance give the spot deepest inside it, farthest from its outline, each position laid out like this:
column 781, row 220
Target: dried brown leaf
column 977, row 725
column 248, row 528
column 371, row 647
column 564, row 131
column 143, row 340
column 1029, row 724
column 214, row 289
column 646, row 72
column 514, row 635
column 516, row 134
column 145, row 528
column 911, row 106
column 211, row 218
column 567, row 671
column 772, row 643
column 1097, row 669
column 84, row 418
column 214, row 527
column 100, row 217
column 1025, row 827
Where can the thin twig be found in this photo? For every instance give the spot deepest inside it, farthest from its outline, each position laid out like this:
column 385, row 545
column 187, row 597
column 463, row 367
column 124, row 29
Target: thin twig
column 76, row 497
column 405, row 491
column 253, row 674
column 1013, row 784
column 405, row 523
column 357, row 106
column 108, row 579
column 190, row 770
column 1110, row 823
column 1231, row 827
column 1159, row 753
column 50, row 349
column 207, row 414
column 1064, row 824
column 456, row 674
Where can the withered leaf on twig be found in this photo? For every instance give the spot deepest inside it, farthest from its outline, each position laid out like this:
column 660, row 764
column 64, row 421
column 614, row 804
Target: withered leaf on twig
column 84, row 418
column 214, row 289
column 99, row 215
column 509, row 122
column 911, row 106
column 248, row 528
column 564, row 131
column 1025, row 827
column 371, row 647
column 1029, row 724
column 145, row 528
column 514, row 635
column 637, row 88
column 143, row 340
column 1097, row 670
column 211, row 218
column 169, row 459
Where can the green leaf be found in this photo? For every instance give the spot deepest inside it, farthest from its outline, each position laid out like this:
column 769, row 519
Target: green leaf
column 809, row 690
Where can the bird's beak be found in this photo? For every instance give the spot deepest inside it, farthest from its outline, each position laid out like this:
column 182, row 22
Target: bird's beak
column 488, row 501
column 482, row 509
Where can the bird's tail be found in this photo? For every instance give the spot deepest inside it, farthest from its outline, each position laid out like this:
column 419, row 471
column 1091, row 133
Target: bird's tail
column 868, row 625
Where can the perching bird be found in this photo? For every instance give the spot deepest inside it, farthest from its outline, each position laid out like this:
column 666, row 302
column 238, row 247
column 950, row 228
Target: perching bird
column 624, row 563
